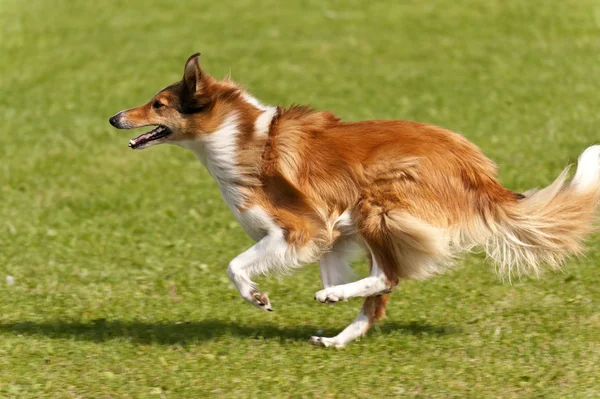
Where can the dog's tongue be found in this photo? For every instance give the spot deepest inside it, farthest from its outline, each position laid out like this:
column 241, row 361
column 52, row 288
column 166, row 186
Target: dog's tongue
column 147, row 137
column 141, row 139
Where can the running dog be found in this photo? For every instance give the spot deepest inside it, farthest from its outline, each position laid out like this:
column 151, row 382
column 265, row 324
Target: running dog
column 308, row 187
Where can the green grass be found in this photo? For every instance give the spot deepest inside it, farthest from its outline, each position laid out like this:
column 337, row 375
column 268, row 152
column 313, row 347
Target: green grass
column 119, row 258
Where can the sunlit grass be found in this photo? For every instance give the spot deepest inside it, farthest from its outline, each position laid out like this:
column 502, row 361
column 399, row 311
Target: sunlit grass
column 119, row 258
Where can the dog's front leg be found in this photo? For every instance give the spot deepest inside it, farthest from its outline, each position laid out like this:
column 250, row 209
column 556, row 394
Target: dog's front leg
column 269, row 254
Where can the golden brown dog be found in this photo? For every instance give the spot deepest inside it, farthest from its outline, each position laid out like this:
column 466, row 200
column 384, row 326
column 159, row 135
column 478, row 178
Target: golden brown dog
column 309, row 187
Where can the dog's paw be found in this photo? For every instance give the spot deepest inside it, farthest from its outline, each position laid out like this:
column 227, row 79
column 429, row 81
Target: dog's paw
column 261, row 300
column 329, row 295
column 324, row 342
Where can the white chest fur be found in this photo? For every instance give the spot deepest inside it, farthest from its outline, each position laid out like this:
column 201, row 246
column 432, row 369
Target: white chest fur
column 218, row 152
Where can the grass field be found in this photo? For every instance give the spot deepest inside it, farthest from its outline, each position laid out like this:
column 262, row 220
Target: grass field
column 119, row 258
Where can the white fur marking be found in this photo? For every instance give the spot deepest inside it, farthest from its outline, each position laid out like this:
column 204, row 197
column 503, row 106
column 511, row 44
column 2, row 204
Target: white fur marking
column 588, row 170
column 344, row 221
column 254, row 102
column 356, row 329
column 277, row 254
column 334, row 267
column 217, row 151
column 375, row 284
column 263, row 122
column 334, row 270
column 271, row 253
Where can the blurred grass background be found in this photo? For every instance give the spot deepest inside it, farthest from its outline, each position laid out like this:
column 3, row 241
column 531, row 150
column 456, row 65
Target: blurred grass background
column 119, row 258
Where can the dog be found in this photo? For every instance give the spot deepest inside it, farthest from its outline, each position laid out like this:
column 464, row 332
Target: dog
column 309, row 187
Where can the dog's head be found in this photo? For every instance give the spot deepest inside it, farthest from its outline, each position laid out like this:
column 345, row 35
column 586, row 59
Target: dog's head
column 184, row 111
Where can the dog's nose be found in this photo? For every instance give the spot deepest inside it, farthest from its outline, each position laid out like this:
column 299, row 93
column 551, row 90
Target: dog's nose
column 114, row 120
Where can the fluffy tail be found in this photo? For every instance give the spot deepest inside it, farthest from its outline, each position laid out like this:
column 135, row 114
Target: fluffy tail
column 548, row 225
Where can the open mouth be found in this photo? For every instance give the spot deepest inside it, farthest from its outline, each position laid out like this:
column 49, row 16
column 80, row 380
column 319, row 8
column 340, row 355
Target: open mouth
column 143, row 140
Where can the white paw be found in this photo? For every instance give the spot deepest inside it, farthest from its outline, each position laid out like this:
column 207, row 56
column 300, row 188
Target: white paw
column 329, row 295
column 259, row 300
column 325, row 342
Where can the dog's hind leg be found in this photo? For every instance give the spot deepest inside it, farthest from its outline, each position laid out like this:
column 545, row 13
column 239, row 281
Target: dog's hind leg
column 373, row 309
column 376, row 283
column 402, row 246
column 376, row 287
column 334, row 267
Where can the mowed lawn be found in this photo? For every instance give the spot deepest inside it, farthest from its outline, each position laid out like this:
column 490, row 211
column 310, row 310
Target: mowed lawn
column 118, row 258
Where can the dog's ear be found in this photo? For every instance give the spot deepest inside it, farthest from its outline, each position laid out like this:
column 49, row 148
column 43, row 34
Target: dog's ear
column 194, row 78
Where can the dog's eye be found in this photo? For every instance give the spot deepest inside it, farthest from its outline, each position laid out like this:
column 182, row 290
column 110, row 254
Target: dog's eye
column 157, row 104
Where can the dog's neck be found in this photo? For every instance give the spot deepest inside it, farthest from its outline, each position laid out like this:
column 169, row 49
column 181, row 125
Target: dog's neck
column 232, row 160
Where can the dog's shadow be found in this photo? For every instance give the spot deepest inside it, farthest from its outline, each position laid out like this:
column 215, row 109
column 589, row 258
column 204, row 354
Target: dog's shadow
column 170, row 333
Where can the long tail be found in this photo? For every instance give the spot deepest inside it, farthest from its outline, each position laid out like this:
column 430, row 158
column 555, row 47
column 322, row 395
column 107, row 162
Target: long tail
column 548, row 225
